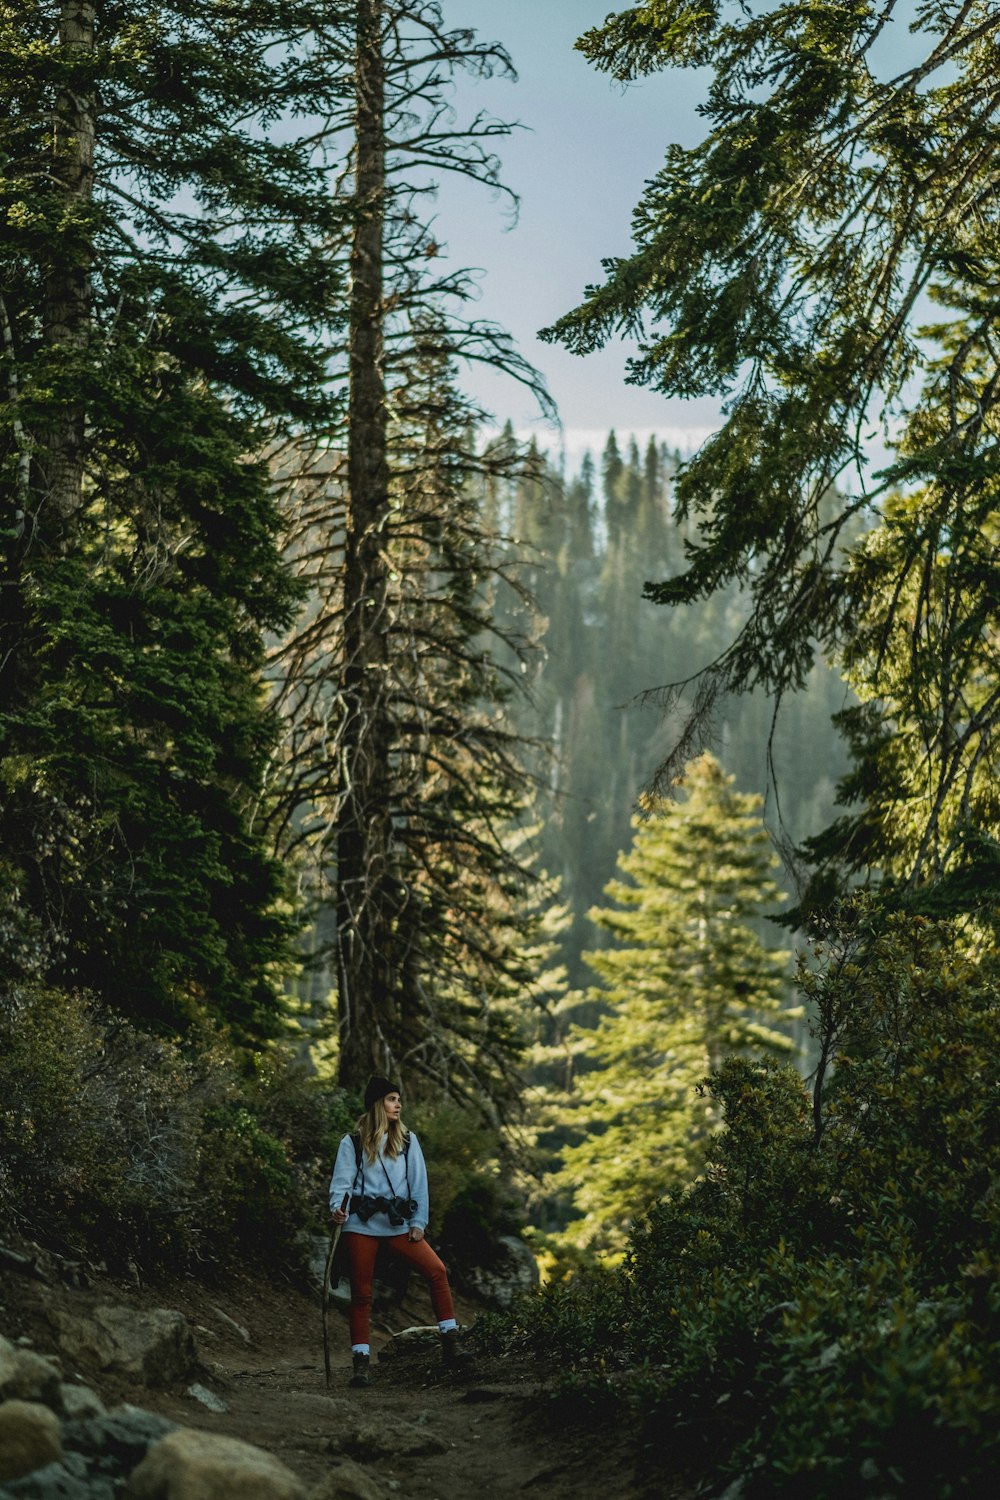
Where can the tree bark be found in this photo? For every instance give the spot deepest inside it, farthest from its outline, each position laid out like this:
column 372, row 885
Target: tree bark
column 364, row 833
column 67, row 297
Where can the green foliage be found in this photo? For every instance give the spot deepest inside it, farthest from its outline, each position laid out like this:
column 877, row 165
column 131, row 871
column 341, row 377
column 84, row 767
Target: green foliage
column 601, row 710
column 786, row 263
column 686, row 982
column 129, row 1149
column 820, row 1313
column 158, row 313
column 473, row 1198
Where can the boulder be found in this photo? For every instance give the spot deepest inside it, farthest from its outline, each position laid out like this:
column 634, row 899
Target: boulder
column 316, row 1247
column 190, row 1465
column 29, row 1438
column 26, row 1376
column 512, row 1273
column 155, row 1348
column 117, row 1440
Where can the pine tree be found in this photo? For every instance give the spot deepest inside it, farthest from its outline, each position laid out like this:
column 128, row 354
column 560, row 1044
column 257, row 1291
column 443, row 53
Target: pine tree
column 401, row 773
column 786, row 263
column 686, row 981
column 159, row 302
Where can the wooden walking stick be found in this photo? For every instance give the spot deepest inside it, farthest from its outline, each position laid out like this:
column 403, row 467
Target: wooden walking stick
column 334, row 1241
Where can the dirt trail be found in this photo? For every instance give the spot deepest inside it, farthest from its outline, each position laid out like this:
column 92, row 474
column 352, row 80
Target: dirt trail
column 490, row 1423
column 494, row 1431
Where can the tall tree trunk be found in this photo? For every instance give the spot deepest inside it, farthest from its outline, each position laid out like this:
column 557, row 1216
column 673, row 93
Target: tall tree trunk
column 363, row 838
column 67, row 280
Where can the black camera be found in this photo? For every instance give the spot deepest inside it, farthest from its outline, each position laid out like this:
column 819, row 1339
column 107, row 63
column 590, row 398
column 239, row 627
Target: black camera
column 398, row 1210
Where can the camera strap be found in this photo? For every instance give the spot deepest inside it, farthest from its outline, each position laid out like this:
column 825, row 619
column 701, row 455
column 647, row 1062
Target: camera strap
column 406, row 1170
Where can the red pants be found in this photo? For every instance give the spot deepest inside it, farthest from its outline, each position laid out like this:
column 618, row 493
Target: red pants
column 361, row 1252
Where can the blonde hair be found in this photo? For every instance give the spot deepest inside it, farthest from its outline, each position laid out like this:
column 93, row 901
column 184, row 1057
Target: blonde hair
column 373, row 1125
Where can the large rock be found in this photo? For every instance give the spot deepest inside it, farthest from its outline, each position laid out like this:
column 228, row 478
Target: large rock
column 316, row 1248
column 29, row 1438
column 513, row 1273
column 66, row 1481
column 25, row 1376
column 155, row 1348
column 117, row 1440
column 190, row 1465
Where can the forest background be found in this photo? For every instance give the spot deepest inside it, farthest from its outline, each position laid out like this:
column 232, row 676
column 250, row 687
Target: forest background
column 341, row 731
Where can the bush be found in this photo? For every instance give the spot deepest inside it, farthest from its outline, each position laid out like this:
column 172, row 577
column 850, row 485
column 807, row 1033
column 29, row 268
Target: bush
column 473, row 1200
column 99, row 1143
column 126, row 1148
column 819, row 1314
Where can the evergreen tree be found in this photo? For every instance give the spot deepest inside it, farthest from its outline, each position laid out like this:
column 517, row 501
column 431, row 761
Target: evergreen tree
column 686, row 982
column 786, row 263
column 160, row 298
column 401, row 773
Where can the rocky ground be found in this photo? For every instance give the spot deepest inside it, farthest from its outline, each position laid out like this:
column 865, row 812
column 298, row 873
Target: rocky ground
column 254, row 1352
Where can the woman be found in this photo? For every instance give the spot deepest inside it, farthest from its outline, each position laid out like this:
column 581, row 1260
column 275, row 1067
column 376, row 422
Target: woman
column 380, row 1168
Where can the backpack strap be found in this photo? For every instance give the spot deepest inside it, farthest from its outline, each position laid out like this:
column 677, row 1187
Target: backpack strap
column 358, row 1167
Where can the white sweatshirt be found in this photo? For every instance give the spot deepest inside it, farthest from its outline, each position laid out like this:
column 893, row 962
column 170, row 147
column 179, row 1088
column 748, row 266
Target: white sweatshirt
column 386, row 1177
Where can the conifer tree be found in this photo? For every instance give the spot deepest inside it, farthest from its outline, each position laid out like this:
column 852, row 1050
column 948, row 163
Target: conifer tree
column 401, row 774
column 686, row 981
column 159, row 301
column 786, row 263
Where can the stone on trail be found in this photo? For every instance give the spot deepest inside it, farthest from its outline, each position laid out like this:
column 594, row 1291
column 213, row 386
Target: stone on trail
column 29, row 1438
column 59, row 1482
column 25, row 1376
column 191, row 1465
column 410, row 1341
column 420, row 1333
column 79, row 1402
column 207, row 1398
column 155, row 1347
column 119, row 1438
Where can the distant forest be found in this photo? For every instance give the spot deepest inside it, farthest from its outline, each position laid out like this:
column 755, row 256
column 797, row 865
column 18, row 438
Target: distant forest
column 609, row 695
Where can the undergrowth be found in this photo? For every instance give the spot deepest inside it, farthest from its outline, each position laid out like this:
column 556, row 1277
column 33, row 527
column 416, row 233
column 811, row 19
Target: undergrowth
column 819, row 1314
column 137, row 1151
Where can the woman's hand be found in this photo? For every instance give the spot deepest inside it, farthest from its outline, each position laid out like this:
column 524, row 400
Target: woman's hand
column 415, row 1233
column 338, row 1215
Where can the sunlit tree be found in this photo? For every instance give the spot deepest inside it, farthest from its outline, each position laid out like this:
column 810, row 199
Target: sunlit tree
column 687, row 980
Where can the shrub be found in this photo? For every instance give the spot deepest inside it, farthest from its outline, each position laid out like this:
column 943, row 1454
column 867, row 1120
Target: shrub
column 98, row 1138
column 124, row 1147
column 819, row 1314
column 473, row 1199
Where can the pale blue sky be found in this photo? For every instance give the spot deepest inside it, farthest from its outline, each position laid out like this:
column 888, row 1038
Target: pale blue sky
column 579, row 169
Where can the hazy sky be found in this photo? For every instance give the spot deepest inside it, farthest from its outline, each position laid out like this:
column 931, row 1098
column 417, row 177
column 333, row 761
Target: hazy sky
column 579, row 169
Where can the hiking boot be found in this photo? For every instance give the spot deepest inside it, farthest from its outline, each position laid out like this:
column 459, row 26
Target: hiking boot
column 452, row 1357
column 362, row 1371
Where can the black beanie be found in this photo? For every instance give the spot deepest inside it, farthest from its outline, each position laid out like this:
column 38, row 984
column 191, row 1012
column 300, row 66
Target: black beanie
column 378, row 1088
